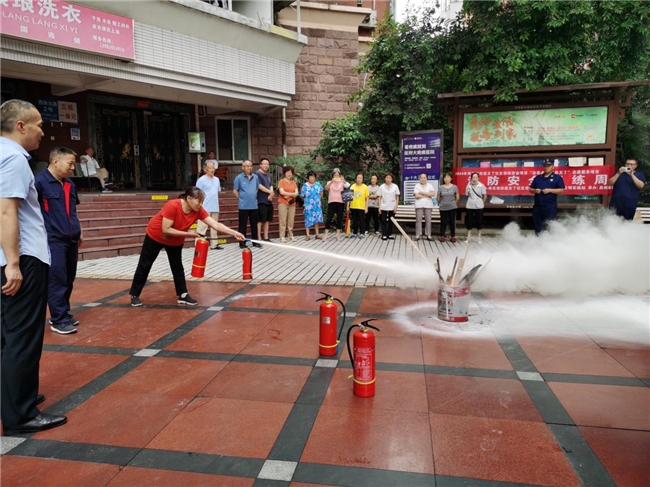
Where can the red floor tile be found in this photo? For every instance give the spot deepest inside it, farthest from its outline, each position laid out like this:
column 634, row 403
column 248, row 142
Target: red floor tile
column 605, row 406
column 386, row 300
column 625, row 454
column 401, row 391
column 225, row 332
column 376, row 438
column 177, row 377
column 480, row 397
column 206, row 293
column 40, row 472
column 149, row 477
column 498, row 449
column 394, row 350
column 224, row 427
column 267, row 296
column 636, row 361
column 459, row 351
column 259, row 382
column 118, row 418
column 136, row 328
column 287, row 336
column 570, row 356
column 62, row 373
column 92, row 290
column 305, row 300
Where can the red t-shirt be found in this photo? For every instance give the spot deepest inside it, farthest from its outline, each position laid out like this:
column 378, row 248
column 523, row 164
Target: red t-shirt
column 173, row 210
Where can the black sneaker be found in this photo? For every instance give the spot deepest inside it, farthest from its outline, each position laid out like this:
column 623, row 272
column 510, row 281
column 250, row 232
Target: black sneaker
column 135, row 301
column 258, row 245
column 384, row 238
column 63, row 328
column 72, row 321
column 216, row 247
column 187, row 299
column 391, row 238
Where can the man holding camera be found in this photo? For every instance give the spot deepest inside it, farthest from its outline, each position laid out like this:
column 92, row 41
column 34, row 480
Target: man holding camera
column 627, row 183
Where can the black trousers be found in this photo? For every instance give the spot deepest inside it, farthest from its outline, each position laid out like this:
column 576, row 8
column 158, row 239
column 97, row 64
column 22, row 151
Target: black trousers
column 244, row 217
column 474, row 219
column 148, row 255
column 358, row 221
column 386, row 224
column 62, row 274
column 23, row 320
column 373, row 214
column 448, row 217
column 542, row 214
column 334, row 209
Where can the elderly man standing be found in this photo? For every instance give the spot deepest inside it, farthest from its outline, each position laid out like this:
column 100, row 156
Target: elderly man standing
column 210, row 185
column 92, row 168
column 246, row 186
column 25, row 262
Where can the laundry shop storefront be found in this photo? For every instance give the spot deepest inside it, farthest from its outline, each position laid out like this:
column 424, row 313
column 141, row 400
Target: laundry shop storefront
column 133, row 91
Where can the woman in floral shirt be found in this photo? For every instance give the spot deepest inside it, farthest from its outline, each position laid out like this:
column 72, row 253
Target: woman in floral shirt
column 312, row 192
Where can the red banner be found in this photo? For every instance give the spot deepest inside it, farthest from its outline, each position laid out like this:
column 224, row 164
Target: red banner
column 516, row 180
column 66, row 24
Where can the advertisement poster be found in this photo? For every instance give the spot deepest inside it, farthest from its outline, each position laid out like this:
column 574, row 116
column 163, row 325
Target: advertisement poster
column 420, row 152
column 505, row 181
column 68, row 25
column 532, row 128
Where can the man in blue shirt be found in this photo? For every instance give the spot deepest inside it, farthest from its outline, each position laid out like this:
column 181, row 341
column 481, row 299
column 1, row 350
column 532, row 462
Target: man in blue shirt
column 25, row 263
column 58, row 198
column 246, row 185
column 210, row 185
column 627, row 183
column 545, row 187
column 264, row 200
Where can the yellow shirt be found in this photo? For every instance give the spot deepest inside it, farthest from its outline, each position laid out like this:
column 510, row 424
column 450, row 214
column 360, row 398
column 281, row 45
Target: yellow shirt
column 361, row 194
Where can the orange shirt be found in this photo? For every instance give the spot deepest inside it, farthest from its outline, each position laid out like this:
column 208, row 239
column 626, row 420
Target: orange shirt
column 289, row 187
column 173, row 210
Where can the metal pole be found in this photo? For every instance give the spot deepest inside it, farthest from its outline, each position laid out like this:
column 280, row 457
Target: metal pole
column 298, row 15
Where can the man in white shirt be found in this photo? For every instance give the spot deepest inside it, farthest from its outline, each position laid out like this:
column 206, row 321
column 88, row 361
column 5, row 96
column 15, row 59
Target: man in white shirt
column 91, row 168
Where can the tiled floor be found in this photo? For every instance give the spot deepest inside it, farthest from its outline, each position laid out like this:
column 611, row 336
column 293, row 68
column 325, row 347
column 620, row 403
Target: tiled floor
column 230, row 393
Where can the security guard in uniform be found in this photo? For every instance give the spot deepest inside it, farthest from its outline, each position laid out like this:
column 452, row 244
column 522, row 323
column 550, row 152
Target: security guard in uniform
column 545, row 187
column 58, row 198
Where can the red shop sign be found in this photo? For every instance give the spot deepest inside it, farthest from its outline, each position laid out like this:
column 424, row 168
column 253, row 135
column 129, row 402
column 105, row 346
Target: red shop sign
column 68, row 25
column 516, row 180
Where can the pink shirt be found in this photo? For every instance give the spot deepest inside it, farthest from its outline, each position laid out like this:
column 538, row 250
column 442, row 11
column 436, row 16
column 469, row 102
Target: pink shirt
column 335, row 190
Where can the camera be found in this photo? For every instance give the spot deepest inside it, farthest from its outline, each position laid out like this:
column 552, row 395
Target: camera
column 628, row 169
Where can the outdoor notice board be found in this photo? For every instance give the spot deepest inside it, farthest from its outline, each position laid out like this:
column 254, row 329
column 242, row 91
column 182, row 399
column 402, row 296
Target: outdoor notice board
column 420, row 152
column 535, row 128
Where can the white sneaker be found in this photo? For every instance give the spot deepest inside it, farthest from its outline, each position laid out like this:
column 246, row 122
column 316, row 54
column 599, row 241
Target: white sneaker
column 479, row 240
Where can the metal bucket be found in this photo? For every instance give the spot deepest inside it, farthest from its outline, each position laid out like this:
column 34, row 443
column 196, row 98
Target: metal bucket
column 453, row 303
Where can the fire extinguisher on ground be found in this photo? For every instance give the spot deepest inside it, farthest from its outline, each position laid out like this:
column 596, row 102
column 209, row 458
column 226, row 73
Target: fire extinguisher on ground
column 247, row 263
column 363, row 359
column 328, row 338
column 200, row 257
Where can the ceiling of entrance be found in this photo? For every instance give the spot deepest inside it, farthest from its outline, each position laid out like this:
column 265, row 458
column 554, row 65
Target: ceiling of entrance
column 68, row 82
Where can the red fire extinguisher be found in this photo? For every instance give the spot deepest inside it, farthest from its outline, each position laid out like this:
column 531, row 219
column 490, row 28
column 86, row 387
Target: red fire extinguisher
column 328, row 340
column 200, row 257
column 247, row 263
column 363, row 359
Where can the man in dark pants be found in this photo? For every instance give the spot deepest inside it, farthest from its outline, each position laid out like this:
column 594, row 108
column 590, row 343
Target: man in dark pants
column 25, row 262
column 264, row 200
column 246, row 185
column 628, row 183
column 58, row 198
column 545, row 187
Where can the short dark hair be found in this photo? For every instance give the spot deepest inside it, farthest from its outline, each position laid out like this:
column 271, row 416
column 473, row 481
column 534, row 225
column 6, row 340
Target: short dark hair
column 13, row 111
column 444, row 175
column 286, row 169
column 265, row 159
column 389, row 174
column 472, row 175
column 310, row 174
column 636, row 161
column 192, row 192
column 360, row 174
column 60, row 151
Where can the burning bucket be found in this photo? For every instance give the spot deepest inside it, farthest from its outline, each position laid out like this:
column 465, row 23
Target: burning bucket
column 453, row 303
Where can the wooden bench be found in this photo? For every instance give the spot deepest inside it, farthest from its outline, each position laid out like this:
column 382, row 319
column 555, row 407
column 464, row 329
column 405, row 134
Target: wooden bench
column 406, row 214
column 645, row 214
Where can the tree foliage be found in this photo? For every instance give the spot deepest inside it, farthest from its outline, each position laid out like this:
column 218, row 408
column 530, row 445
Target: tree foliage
column 492, row 45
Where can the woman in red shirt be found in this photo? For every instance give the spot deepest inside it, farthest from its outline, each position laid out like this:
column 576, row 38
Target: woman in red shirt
column 168, row 230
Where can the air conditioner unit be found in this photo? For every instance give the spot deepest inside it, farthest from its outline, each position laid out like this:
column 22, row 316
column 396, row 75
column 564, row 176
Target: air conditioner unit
column 370, row 20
